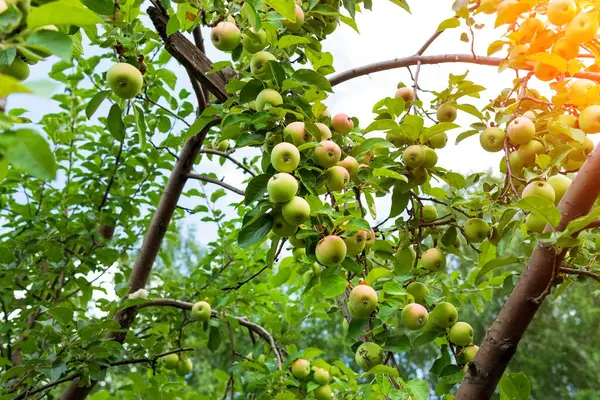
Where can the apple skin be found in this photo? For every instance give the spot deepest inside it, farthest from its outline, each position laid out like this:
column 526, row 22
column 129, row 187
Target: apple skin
column 201, row 311
column 268, row 97
column 301, row 368
column 254, row 42
column 225, row 36
column 19, row 69
column 418, row 176
column 325, row 131
column 438, row 141
column 296, row 211
column 368, row 355
column 521, row 130
column 545, row 72
column 398, row 140
column 431, row 158
column 337, row 178
column 331, row 251
column 560, row 12
column 560, row 184
column 469, row 352
column 285, row 157
column 282, row 228
column 259, row 64
column 418, row 291
column 342, row 123
column 414, row 156
column 355, row 244
column 184, row 366
column 297, row 243
column 582, row 151
column 327, row 154
column 3, row 6
column 578, row 91
column 446, row 113
column 540, row 189
column 414, row 316
column 492, row 139
column 405, row 93
column 582, row 28
column 433, row 259
column 461, row 334
column 370, row 239
column 444, row 315
column 351, row 165
column 528, row 152
column 565, row 49
column 572, row 165
column 297, row 132
column 124, row 80
column 589, row 119
column 282, row 187
column 321, row 376
column 171, row 360
column 323, row 392
column 535, row 223
column 476, row 230
column 295, row 26
column 362, row 301
column 429, row 212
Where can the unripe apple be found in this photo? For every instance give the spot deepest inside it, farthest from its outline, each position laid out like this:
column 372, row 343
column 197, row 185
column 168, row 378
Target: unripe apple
column 298, row 243
column 19, row 69
column 492, row 139
column 461, row 334
column 438, row 141
column 528, row 151
column 431, row 157
column 446, row 113
column 418, row 176
column 414, row 156
column 560, row 12
column 370, row 239
column 582, row 28
column 296, row 211
column 589, row 119
column 254, row 42
column 444, row 315
column 582, row 150
column 351, row 165
column 476, row 230
column 323, row 392
column 539, row 189
column 405, row 93
column 560, row 183
column 433, row 259
column 321, row 376
column 331, row 24
column 368, row 355
column 366, row 158
column 355, row 244
column 535, row 223
column 362, row 301
column 301, row 368
column 171, row 360
column 124, row 80
column 469, row 352
column 414, row 316
column 268, row 97
column 521, row 130
column 295, row 26
column 259, row 64
column 327, row 154
column 397, row 139
column 342, row 123
column 184, row 366
column 572, row 165
column 337, row 178
column 298, row 252
column 331, row 251
column 271, row 140
column 282, row 187
column 222, row 145
column 201, row 311
column 297, row 132
column 282, row 228
column 418, row 292
column 285, row 157
column 429, row 212
column 325, row 131
column 225, row 36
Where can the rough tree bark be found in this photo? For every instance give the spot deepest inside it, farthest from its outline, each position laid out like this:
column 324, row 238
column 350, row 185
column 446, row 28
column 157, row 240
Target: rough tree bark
column 500, row 343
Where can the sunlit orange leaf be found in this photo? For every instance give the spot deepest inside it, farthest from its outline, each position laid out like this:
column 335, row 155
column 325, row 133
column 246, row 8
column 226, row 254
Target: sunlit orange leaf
column 575, row 66
column 553, row 60
column 511, row 13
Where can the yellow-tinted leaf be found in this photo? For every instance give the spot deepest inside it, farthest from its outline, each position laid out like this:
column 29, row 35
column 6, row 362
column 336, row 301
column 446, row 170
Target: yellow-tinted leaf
column 511, row 13
column 553, row 60
column 448, row 24
column 9, row 85
column 574, row 66
column 495, row 47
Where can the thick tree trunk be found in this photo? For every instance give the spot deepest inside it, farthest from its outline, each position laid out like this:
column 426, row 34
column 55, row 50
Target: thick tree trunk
column 500, row 343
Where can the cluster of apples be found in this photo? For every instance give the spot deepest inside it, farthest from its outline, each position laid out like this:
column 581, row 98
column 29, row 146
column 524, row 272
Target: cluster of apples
column 301, row 369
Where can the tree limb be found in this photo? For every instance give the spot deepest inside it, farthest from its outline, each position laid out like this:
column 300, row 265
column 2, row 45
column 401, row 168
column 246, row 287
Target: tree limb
column 227, row 155
column 574, row 271
column 208, row 179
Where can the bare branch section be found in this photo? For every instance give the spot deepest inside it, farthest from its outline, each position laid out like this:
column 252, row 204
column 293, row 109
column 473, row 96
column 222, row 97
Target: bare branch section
column 500, row 343
column 574, row 271
column 228, row 156
column 208, row 179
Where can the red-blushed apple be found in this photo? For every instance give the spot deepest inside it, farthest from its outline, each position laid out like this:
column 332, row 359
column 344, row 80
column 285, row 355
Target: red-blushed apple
column 297, row 132
column 327, row 154
column 331, row 251
column 589, row 119
column 351, row 165
column 521, row 130
column 323, row 392
column 296, row 211
column 259, row 64
column 476, row 230
column 539, row 189
column 444, row 315
column 406, row 93
column 535, row 223
column 560, row 12
column 325, row 131
column 295, row 26
column 362, row 301
column 446, row 113
column 461, row 334
column 282, row 187
column 418, row 292
column 301, row 368
column 282, row 228
column 414, row 316
column 201, row 311
column 529, row 151
column 285, row 157
column 225, row 36
column 254, row 41
column 560, row 183
column 342, row 123
column 337, row 178
column 124, row 80
column 414, row 156
column 355, row 244
column 370, row 239
column 268, row 98
column 368, row 355
column 433, row 259
column 321, row 376
column 438, row 141
column 492, row 139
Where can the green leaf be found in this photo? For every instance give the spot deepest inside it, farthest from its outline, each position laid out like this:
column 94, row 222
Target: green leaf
column 356, row 327
column 350, row 265
column 10, row 19
column 402, row 3
column 424, row 338
column 388, row 173
column 464, row 135
column 400, row 199
column 62, row 12
column 140, row 124
column 333, row 286
column 357, row 224
column 57, row 43
column 250, row 91
column 256, row 188
column 214, row 338
column 114, row 123
column 283, row 274
column 63, row 315
column 371, row 143
column 3, row 168
column 581, row 223
column 291, row 40
column 313, row 78
column 255, row 231
column 514, row 387
column 95, row 102
column 28, row 151
column 541, row 207
column 449, row 24
column 7, row 56
column 397, row 344
column 287, row 8
column 378, row 273
column 350, row 6
column 419, row 389
column 495, row 263
column 9, row 85
column 102, row 7
column 381, row 125
column 382, row 369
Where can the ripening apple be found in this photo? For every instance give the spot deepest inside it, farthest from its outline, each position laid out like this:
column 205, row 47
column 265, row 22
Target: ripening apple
column 282, row 187
column 492, row 139
column 529, row 28
column 476, row 230
column 351, row 165
column 418, row 176
column 171, row 360
column 582, row 28
column 579, row 89
column 517, row 56
column 325, row 131
column 271, row 140
column 296, row 211
column 560, row 183
column 301, row 368
column 515, row 162
column 535, row 223
column 282, row 228
column 545, row 72
column 184, row 366
column 418, row 292
column 397, row 139
column 438, row 141
column 321, row 376
column 295, row 26
column 331, row 24
column 259, row 64
column 589, row 119
column 539, row 189
column 429, row 212
column 414, row 156
column 528, row 151
column 331, row 251
column 405, row 93
column 362, row 301
column 323, row 392
column 225, row 36
column 560, row 12
column 461, row 334
column 285, row 157
column 414, row 316
column 431, row 157
column 268, row 98
column 297, row 132
column 446, row 113
column 355, row 244
column 201, row 311
column 342, row 123
column 368, row 355
column 124, row 80
column 337, row 178
column 254, row 41
column 327, row 154
column 370, row 239
column 582, row 150
column 521, row 130
column 444, row 315
column 433, row 259
column 572, row 165
column 366, row 158
column 469, row 352
column 565, row 49
column 530, row 115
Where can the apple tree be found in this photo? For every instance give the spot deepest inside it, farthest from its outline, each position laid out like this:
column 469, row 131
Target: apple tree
column 311, row 289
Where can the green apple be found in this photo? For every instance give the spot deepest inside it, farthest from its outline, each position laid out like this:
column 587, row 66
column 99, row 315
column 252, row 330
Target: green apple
column 492, row 139
column 433, row 259
column 527, row 152
column 327, row 154
column 362, row 301
column 124, row 80
column 323, row 392
column 296, row 211
column 476, row 230
column 397, row 139
column 321, row 376
column 582, row 150
column 560, row 183
column 446, row 113
column 418, row 176
column 282, row 187
column 351, row 165
column 414, row 316
column 431, row 157
column 301, row 368
column 469, row 352
column 331, row 251
column 342, row 123
column 259, row 64
column 355, row 244
column 171, row 360
column 405, row 93
column 539, row 189
column 298, row 252
column 414, row 156
column 298, row 243
column 282, row 228
column 297, row 133
column 589, row 119
column 184, row 366
column 254, row 41
column 461, row 334
column 222, row 145
column 201, row 311
column 535, row 223
column 444, row 315
column 429, row 212
column 368, row 355
column 418, row 292
column 337, row 178
column 268, row 98
column 285, row 157
column 521, row 130
column 225, row 36
column 18, row 69
column 438, row 141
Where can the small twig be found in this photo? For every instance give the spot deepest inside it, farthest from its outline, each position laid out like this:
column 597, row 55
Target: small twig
column 360, row 206
column 573, row 271
column 112, row 177
column 227, row 155
column 149, row 100
column 242, row 283
column 208, row 179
